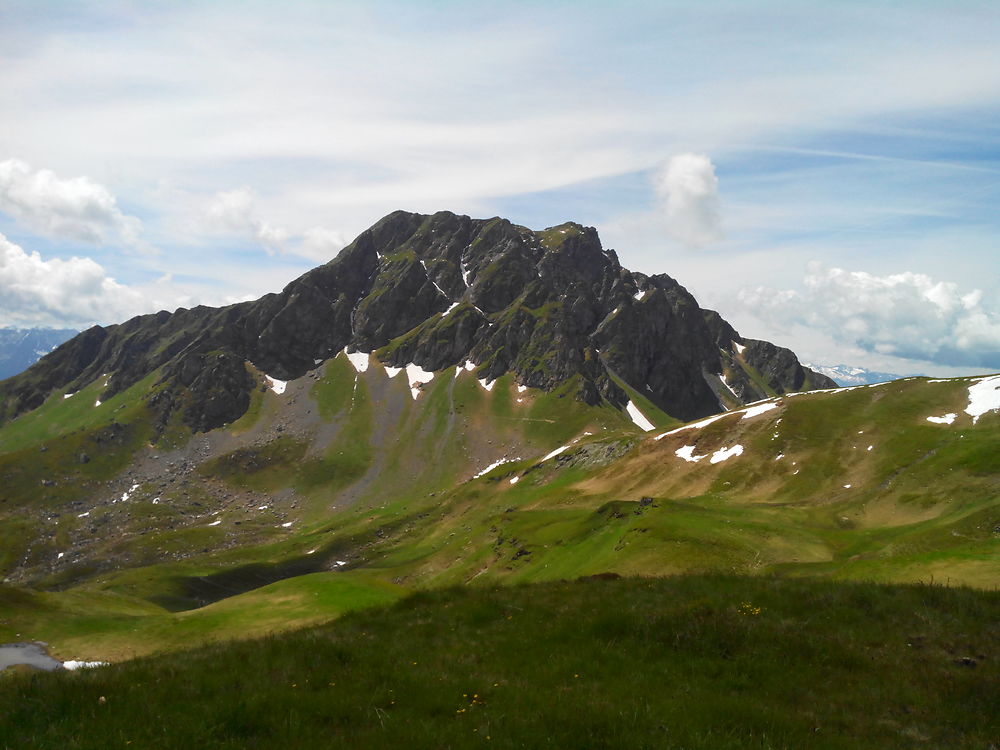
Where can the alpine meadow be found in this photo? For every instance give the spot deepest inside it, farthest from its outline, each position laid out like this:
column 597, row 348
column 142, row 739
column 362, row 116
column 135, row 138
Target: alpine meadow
column 473, row 478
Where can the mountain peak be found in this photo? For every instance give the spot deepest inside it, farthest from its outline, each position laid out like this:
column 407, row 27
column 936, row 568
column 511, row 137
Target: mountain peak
column 436, row 291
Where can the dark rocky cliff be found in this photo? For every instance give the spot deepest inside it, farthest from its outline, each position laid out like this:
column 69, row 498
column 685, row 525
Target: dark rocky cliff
column 437, row 291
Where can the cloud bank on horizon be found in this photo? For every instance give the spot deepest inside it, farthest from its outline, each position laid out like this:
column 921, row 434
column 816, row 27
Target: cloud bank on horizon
column 212, row 151
column 906, row 315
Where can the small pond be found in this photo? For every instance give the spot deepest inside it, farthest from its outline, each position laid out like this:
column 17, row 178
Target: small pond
column 32, row 654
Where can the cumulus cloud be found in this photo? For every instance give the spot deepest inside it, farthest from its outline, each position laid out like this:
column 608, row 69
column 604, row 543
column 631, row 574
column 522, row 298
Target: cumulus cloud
column 62, row 293
column 690, row 189
column 909, row 315
column 236, row 211
column 77, row 208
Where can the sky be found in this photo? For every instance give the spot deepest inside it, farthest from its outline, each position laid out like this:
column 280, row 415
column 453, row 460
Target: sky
column 825, row 175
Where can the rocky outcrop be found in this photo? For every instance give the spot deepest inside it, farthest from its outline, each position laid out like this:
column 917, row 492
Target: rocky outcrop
column 780, row 368
column 436, row 290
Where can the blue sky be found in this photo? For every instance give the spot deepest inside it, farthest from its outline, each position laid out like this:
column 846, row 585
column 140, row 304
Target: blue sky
column 826, row 175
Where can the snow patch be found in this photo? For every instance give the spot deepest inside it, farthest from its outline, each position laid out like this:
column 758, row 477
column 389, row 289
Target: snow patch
column 488, row 385
column 639, row 295
column 83, row 515
column 757, row 407
column 97, row 403
column 287, row 524
column 392, row 371
column 638, row 417
column 695, row 426
column 738, row 347
column 946, row 419
column 779, row 457
column 492, row 466
column 216, row 522
column 847, row 486
column 753, row 411
column 451, row 307
column 522, row 388
column 127, row 493
column 68, row 395
column 870, row 447
column 554, row 453
column 514, row 480
column 937, row 381
column 417, row 375
column 728, row 387
column 422, row 263
column 984, row 396
column 74, row 664
column 60, row 556
column 358, row 359
column 278, row 386
column 687, row 453
column 726, row 453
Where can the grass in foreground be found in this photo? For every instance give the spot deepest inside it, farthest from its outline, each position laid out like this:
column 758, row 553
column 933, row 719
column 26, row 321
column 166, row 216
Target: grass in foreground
column 688, row 662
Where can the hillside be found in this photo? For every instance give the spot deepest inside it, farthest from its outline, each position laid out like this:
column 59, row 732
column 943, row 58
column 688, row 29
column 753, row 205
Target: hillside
column 688, row 662
column 232, row 541
column 429, row 348
column 458, row 401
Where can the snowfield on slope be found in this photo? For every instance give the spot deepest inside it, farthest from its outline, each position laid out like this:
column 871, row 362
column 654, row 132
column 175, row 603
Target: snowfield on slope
column 278, row 386
column 359, row 360
column 748, row 412
column 984, row 396
column 417, row 376
column 638, row 417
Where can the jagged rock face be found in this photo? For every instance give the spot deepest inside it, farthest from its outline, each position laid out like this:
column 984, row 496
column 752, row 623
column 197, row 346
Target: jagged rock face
column 436, row 291
column 779, row 366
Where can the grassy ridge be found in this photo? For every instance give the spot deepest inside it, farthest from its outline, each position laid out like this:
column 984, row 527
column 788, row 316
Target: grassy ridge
column 689, row 662
column 921, row 505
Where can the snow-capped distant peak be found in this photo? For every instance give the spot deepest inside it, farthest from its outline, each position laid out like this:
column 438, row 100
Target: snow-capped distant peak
column 849, row 375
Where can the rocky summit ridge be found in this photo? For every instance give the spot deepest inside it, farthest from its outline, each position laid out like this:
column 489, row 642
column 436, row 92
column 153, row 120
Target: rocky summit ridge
column 436, row 291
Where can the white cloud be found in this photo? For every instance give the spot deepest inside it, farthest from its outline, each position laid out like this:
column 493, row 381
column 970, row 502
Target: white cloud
column 236, row 211
column 691, row 190
column 322, row 244
column 907, row 315
column 74, row 292
column 77, row 208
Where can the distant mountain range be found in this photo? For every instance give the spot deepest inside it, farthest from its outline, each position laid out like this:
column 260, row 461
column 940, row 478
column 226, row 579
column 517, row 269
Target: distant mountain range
column 20, row 348
column 847, row 375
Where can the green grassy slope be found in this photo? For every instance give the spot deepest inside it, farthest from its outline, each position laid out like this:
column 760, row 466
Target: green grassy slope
column 690, row 662
column 348, row 474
